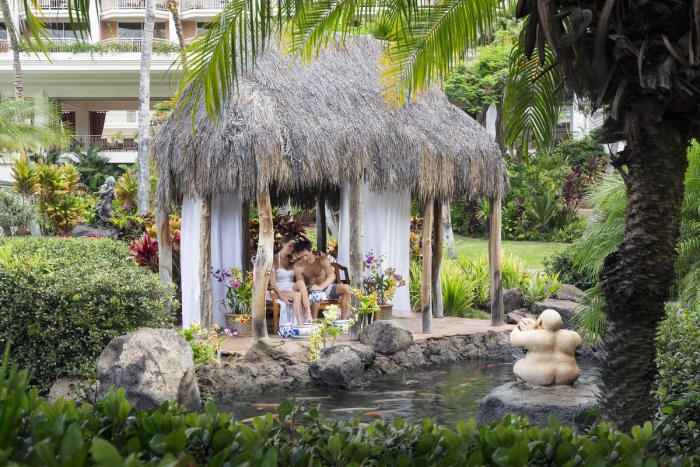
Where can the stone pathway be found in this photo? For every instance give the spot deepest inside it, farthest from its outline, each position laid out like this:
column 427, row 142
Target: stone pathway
column 444, row 327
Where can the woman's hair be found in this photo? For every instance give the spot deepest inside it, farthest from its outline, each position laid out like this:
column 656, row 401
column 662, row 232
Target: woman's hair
column 288, row 238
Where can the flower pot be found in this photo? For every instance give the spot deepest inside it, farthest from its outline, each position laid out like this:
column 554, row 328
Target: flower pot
column 385, row 311
column 244, row 329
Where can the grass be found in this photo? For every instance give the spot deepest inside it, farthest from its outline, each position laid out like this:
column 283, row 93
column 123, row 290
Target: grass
column 530, row 252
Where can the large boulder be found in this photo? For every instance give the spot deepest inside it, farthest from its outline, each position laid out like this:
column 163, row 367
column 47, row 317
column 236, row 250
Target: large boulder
column 515, row 316
column 565, row 308
column 153, row 366
column 568, row 292
column 513, row 299
column 342, row 368
column 94, row 230
column 571, row 404
column 284, row 352
column 387, row 337
column 364, row 352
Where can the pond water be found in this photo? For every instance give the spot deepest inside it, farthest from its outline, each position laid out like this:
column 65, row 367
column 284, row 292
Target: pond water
column 450, row 392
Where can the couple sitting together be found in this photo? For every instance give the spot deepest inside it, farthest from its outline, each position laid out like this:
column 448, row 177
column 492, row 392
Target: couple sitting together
column 298, row 275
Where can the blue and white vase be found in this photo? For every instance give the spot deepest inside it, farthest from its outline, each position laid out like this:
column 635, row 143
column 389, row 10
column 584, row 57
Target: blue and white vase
column 286, row 331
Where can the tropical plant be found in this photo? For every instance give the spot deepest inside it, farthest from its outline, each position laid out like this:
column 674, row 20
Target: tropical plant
column 457, row 291
column 14, row 213
column 239, row 290
column 205, row 344
column 326, row 328
column 383, row 282
column 28, row 125
column 283, row 224
column 94, row 168
column 127, row 191
column 576, row 152
column 145, row 253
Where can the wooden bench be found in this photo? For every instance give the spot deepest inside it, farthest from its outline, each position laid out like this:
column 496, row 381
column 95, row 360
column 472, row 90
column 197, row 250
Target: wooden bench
column 274, row 307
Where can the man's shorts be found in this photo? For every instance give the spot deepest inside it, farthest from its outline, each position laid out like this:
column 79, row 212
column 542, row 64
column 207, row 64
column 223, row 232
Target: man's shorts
column 330, row 292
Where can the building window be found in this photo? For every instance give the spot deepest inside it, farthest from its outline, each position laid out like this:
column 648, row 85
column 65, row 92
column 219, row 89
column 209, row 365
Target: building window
column 65, row 31
column 130, row 116
column 201, row 27
column 135, row 30
column 3, row 32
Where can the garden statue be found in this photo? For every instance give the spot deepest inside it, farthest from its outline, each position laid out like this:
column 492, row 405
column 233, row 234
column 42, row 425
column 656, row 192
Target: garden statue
column 550, row 351
column 103, row 208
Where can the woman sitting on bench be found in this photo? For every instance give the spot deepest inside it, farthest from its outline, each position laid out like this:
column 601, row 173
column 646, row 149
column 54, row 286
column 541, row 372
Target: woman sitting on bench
column 283, row 283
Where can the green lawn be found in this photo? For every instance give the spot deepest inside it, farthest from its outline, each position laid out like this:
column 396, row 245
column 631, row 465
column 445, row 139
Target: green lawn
column 530, row 252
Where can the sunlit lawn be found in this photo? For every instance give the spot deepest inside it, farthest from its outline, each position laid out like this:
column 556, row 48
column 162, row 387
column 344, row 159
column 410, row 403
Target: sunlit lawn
column 530, row 252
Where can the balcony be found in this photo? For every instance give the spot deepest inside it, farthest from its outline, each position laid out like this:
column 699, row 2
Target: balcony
column 51, row 9
column 201, row 10
column 133, row 44
column 4, row 45
column 126, row 10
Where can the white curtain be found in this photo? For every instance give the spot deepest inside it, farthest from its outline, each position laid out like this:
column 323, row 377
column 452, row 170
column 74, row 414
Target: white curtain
column 386, row 230
column 225, row 251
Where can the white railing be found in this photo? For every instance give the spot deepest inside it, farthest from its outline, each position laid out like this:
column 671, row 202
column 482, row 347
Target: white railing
column 48, row 5
column 106, row 144
column 130, row 5
column 130, row 44
column 204, row 4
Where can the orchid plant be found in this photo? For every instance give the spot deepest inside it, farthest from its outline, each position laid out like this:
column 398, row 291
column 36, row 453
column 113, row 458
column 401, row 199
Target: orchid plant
column 383, row 282
column 239, row 290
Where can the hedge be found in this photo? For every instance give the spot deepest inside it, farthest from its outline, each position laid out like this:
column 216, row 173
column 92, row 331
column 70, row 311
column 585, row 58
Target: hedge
column 62, row 300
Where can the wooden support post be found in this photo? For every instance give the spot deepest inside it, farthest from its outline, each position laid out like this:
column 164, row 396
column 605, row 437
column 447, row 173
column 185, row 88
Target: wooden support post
column 165, row 248
column 425, row 296
column 438, row 309
column 356, row 244
column 321, row 228
column 263, row 263
column 246, row 255
column 496, row 278
column 206, row 300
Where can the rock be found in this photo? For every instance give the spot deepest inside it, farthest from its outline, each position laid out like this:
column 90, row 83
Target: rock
column 364, row 352
column 514, row 317
column 77, row 389
column 568, row 292
column 564, row 307
column 284, row 352
column 342, row 369
column 153, row 366
column 570, row 404
column 84, row 230
column 513, row 299
column 386, row 337
column 234, row 378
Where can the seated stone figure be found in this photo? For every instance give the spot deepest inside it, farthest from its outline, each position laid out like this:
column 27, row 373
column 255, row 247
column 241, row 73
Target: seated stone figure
column 550, row 351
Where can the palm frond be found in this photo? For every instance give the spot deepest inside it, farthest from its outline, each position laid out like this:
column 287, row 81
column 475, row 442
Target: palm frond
column 424, row 49
column 533, row 100
column 217, row 58
column 30, row 124
column 589, row 317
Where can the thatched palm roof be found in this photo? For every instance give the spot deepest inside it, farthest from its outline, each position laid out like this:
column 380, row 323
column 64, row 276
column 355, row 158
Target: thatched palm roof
column 318, row 125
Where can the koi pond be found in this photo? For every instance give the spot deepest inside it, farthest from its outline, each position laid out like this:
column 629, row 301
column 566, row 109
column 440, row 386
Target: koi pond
column 449, row 392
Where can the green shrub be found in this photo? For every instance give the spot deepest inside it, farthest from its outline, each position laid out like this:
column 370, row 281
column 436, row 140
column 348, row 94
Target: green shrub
column 457, row 291
column 62, row 300
column 576, row 152
column 14, row 214
column 677, row 388
column 562, row 263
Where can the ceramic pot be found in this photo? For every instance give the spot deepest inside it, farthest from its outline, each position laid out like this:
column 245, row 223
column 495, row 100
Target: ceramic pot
column 244, row 329
column 385, row 311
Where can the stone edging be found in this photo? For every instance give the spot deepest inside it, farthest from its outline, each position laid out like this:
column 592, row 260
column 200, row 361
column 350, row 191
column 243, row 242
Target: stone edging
column 274, row 365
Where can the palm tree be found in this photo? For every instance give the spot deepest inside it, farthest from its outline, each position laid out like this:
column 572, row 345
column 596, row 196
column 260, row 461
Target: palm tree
column 29, row 125
column 14, row 42
column 144, row 108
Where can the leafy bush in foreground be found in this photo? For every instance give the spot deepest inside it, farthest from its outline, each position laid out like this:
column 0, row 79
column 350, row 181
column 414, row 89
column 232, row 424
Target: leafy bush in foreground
column 62, row 300
column 677, row 388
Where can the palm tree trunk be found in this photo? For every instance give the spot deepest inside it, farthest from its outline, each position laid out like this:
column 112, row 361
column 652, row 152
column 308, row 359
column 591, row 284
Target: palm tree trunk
column 637, row 277
column 174, row 7
column 14, row 41
column 449, row 236
column 144, row 184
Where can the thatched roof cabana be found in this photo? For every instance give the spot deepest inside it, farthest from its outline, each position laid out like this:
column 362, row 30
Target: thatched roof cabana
column 293, row 130
column 320, row 124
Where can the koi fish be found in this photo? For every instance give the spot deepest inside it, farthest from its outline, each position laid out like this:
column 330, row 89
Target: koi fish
column 464, row 384
column 430, row 394
column 250, row 420
column 354, row 409
column 265, row 406
column 496, row 364
column 382, row 412
column 390, row 400
column 362, row 425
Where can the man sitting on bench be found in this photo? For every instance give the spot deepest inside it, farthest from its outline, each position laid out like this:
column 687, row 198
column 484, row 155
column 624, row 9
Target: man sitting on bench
column 317, row 274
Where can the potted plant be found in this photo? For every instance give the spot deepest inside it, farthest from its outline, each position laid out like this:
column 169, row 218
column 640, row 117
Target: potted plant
column 237, row 303
column 367, row 308
column 383, row 282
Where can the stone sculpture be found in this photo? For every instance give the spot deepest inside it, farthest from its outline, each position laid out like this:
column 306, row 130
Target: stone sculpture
column 103, row 208
column 550, row 351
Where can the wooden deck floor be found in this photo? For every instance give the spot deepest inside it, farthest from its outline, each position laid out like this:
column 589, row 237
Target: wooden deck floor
column 443, row 327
